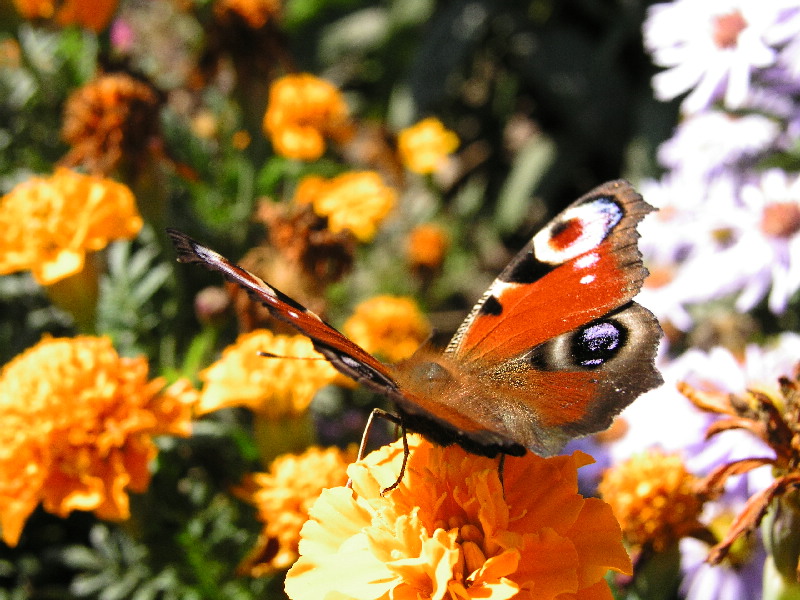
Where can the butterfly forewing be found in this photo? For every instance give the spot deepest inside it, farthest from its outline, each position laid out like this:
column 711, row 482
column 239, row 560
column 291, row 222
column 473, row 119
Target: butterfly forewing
column 349, row 358
column 581, row 265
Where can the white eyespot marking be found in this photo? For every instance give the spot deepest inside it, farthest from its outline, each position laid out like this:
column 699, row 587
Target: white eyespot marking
column 587, row 279
column 577, row 230
column 584, row 262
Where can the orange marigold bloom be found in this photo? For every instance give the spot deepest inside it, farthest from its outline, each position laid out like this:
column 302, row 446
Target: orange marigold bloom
column 49, row 223
column 424, row 146
column 655, row 499
column 302, row 111
column 358, row 201
column 256, row 13
column 283, row 497
column 92, row 14
column 78, row 422
column 274, row 387
column 108, row 120
column 451, row 530
column 388, row 325
column 427, row 246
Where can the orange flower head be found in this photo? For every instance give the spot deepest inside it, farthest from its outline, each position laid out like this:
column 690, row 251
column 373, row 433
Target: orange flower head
column 275, row 387
column 427, row 246
column 424, row 147
column 302, row 111
column 390, row 326
column 358, row 201
column 49, row 223
column 655, row 499
column 78, row 422
column 92, row 14
column 451, row 530
column 303, row 239
column 283, row 496
column 255, row 13
column 109, row 120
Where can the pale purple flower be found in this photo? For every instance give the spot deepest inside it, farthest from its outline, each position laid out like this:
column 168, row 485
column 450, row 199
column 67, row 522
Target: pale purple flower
column 705, row 143
column 666, row 419
column 711, row 48
column 692, row 226
column 742, row 239
column 768, row 241
column 728, row 580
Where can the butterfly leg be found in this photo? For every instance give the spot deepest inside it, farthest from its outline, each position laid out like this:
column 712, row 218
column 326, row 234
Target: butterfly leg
column 500, row 466
column 362, row 448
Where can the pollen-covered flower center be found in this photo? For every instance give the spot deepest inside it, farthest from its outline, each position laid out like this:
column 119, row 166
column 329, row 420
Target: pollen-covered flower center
column 781, row 219
column 727, row 29
column 473, row 547
column 654, row 497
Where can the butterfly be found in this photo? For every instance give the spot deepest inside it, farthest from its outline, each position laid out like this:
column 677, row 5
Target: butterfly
column 552, row 351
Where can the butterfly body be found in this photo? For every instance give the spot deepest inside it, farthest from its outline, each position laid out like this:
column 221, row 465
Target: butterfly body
column 553, row 350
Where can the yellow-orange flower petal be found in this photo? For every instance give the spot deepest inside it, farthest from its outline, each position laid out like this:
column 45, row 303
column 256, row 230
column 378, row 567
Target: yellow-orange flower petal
column 451, row 530
column 283, row 497
column 274, row 387
column 357, row 201
column 49, row 223
column 423, row 147
column 427, row 246
column 78, row 422
column 654, row 497
column 92, row 14
column 256, row 13
column 302, row 111
column 390, row 326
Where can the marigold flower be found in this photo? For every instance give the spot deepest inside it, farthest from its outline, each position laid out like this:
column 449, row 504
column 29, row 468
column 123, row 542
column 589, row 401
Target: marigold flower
column 427, row 246
column 49, row 223
column 283, row 497
column 655, row 499
column 358, row 201
column 450, row 529
column 304, row 240
column 274, row 387
column 78, row 422
column 108, row 120
column 424, row 146
column 92, row 14
column 302, row 111
column 256, row 13
column 388, row 325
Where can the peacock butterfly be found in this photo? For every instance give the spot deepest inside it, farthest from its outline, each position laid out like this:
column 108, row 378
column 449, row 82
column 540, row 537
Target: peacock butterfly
column 553, row 350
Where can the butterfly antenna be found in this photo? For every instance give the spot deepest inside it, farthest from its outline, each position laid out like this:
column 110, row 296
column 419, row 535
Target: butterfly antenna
column 273, row 355
column 362, row 448
column 500, row 466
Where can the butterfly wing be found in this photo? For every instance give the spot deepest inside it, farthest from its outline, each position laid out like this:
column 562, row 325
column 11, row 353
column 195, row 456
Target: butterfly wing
column 580, row 266
column 555, row 348
column 347, row 357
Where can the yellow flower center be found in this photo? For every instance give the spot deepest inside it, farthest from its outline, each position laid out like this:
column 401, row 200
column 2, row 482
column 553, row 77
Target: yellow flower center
column 654, row 498
column 727, row 29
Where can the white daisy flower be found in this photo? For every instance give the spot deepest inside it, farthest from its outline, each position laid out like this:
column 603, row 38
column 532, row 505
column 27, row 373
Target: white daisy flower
column 710, row 47
column 709, row 141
